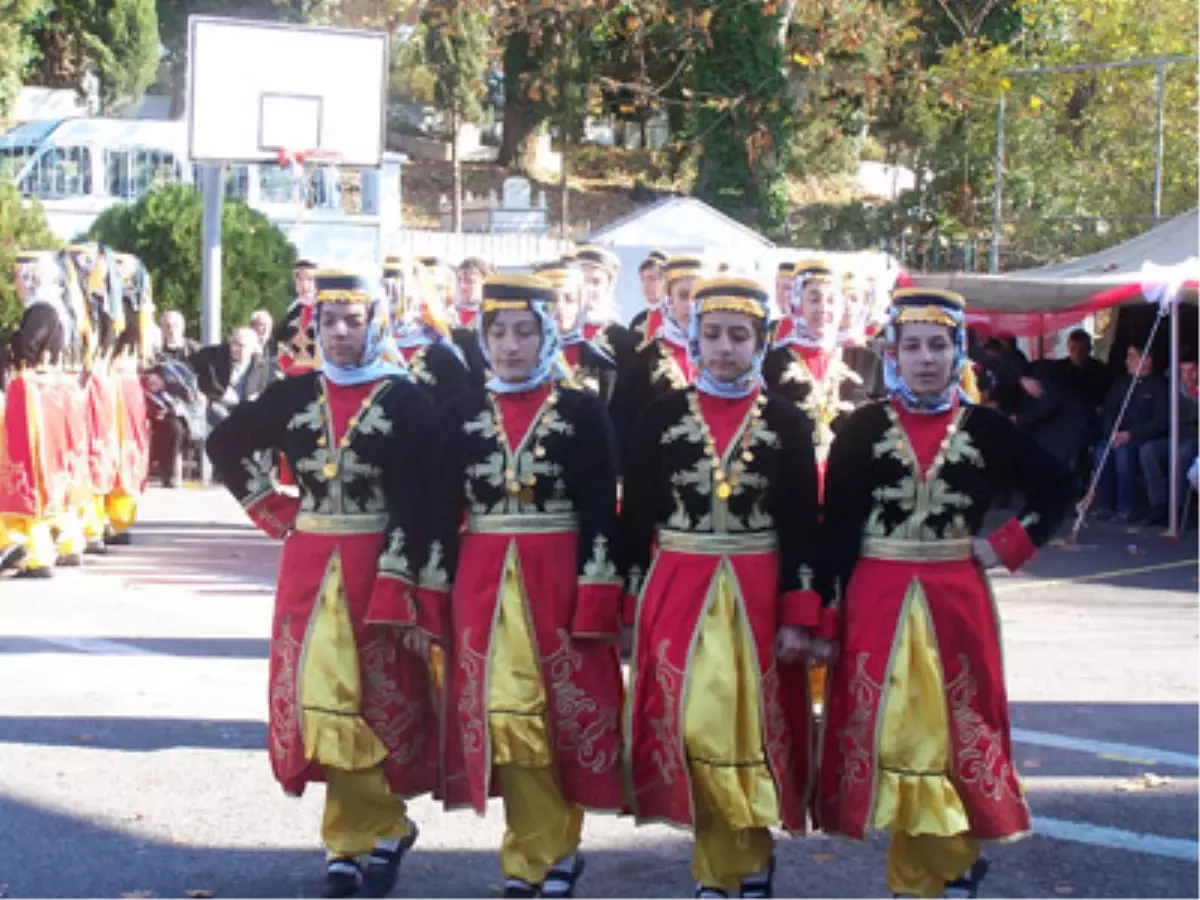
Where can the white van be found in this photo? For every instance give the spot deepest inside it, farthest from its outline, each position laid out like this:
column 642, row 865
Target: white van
column 79, row 167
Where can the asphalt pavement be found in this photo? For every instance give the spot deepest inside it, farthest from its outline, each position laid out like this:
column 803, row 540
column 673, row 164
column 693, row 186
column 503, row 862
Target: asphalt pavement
column 132, row 763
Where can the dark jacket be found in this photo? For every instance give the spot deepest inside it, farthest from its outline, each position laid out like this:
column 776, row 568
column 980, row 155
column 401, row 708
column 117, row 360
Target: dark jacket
column 1148, row 412
column 1058, row 420
column 1091, row 380
column 182, row 353
column 213, row 367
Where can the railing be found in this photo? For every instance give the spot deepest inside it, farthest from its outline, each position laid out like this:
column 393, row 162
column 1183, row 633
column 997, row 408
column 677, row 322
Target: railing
column 497, row 249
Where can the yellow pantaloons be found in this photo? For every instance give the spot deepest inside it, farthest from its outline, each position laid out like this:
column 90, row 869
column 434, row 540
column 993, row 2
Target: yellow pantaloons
column 542, row 828
column 37, row 539
column 361, row 811
column 121, row 510
column 915, row 798
column 68, row 533
column 732, row 786
column 92, row 516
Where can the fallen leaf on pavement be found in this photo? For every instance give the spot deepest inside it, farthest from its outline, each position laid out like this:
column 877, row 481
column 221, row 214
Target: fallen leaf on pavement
column 198, row 893
column 85, row 738
column 133, row 817
column 1144, row 782
column 136, row 895
column 1064, row 890
column 1031, row 764
column 823, row 857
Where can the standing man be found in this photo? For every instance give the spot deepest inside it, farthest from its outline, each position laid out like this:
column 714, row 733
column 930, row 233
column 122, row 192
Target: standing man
column 350, row 703
column 1154, row 455
column 582, row 365
column 468, row 281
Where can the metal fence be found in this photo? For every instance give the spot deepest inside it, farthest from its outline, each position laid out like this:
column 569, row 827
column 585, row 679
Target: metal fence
column 497, row 249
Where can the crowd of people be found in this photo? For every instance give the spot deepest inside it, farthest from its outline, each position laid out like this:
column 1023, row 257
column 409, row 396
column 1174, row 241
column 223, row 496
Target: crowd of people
column 769, row 501
column 489, row 490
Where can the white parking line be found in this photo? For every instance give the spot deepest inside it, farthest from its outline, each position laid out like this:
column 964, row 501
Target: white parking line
column 1116, row 838
column 96, row 645
column 1129, row 752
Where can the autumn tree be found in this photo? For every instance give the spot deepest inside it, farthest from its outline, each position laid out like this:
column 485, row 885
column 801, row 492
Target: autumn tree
column 743, row 125
column 456, row 47
column 16, row 49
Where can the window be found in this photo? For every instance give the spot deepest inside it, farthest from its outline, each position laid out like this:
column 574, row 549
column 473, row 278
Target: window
column 58, row 173
column 235, row 178
column 131, row 171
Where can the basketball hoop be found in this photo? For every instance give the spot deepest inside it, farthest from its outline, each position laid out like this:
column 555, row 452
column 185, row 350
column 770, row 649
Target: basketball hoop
column 318, row 157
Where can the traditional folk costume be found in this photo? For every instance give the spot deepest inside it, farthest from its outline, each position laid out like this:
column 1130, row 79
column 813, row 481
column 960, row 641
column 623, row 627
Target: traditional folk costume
column 423, row 339
column 601, row 323
column 349, row 704
column 917, row 726
column 856, row 337
column 808, row 369
column 436, row 286
column 43, row 451
column 661, row 364
column 719, row 525
column 581, row 365
column 647, row 323
column 785, row 280
column 295, row 333
column 534, row 684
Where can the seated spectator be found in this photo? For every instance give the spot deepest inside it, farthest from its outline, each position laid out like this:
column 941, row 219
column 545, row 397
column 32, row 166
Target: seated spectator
column 1155, row 454
column 230, row 373
column 176, row 344
column 176, row 409
column 1144, row 419
column 1053, row 412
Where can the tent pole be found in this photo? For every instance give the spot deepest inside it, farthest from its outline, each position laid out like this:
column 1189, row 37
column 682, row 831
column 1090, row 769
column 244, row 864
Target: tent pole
column 1158, row 147
column 1173, row 486
column 997, row 190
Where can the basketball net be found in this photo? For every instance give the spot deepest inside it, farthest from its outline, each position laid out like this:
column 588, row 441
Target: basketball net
column 301, row 167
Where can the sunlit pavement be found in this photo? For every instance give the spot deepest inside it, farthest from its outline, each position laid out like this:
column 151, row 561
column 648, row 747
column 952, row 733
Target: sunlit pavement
column 132, row 697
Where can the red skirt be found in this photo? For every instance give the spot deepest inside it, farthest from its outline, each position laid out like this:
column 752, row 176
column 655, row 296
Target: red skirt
column 398, row 702
column 965, row 631
column 582, row 678
column 104, row 443
column 669, row 614
column 133, row 470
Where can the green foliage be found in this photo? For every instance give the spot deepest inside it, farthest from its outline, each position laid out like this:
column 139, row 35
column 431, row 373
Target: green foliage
column 115, row 39
column 743, row 124
column 16, row 51
column 21, row 228
column 163, row 229
column 456, row 47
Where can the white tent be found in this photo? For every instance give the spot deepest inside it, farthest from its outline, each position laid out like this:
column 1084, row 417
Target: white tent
column 682, row 225
column 1175, row 242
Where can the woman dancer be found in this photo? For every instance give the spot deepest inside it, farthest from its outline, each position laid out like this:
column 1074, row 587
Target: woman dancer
column 917, row 728
column 349, row 704
column 534, row 682
column 719, row 522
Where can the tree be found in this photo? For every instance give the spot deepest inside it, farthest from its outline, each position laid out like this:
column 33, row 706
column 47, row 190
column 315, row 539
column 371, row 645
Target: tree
column 163, row 229
column 456, row 53
column 21, row 228
column 16, row 50
column 743, row 125
column 115, row 40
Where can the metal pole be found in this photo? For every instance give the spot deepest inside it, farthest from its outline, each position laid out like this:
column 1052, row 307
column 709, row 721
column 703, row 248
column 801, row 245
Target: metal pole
column 210, row 329
column 1158, row 147
column 998, row 190
column 1173, row 436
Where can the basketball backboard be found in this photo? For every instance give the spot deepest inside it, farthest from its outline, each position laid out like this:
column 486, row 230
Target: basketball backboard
column 256, row 88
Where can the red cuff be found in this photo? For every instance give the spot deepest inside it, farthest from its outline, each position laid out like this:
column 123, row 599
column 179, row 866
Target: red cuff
column 275, row 513
column 598, row 610
column 800, row 608
column 431, row 613
column 829, row 624
column 1012, row 544
column 391, row 602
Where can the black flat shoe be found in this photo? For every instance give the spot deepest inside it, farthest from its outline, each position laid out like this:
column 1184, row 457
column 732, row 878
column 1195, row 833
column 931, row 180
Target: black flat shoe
column 342, row 878
column 123, row 539
column 968, row 884
column 39, row 572
column 709, row 893
column 761, row 884
column 96, row 547
column 11, row 557
column 382, row 868
column 562, row 876
column 516, row 888
column 70, row 560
